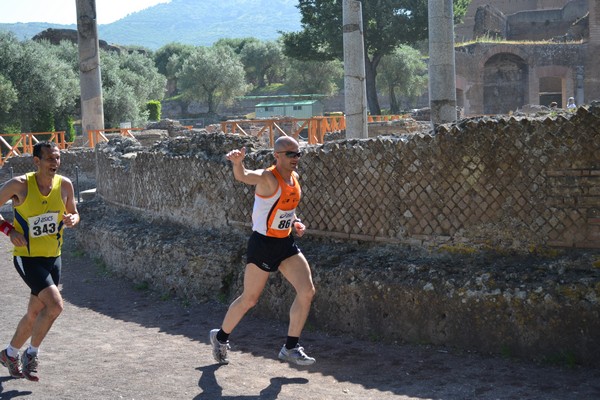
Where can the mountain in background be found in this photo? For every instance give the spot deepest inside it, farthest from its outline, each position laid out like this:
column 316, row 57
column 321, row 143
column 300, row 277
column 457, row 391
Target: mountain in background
column 195, row 22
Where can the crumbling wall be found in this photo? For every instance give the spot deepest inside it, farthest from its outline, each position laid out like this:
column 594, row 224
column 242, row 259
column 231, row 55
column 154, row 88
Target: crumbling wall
column 450, row 237
column 511, row 183
column 490, row 22
column 79, row 165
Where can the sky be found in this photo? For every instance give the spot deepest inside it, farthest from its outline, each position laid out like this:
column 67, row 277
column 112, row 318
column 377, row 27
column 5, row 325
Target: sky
column 64, row 11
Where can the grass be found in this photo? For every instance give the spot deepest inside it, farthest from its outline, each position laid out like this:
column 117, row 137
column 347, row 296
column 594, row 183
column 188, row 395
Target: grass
column 165, row 297
column 78, row 253
column 141, row 286
column 102, row 267
column 563, row 358
column 496, row 40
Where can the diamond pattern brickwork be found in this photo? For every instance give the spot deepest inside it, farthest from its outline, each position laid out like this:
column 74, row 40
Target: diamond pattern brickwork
column 507, row 183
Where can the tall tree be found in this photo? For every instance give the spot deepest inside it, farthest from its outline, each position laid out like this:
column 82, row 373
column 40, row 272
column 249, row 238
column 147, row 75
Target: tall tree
column 402, row 73
column 169, row 59
column 129, row 81
column 8, row 95
column 262, row 60
column 212, row 74
column 45, row 85
column 315, row 77
column 386, row 24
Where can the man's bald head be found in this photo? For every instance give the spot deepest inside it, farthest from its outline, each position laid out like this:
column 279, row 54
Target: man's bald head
column 283, row 143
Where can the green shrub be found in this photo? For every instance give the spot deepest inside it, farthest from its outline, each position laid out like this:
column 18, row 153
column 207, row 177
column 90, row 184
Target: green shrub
column 154, row 108
column 70, row 132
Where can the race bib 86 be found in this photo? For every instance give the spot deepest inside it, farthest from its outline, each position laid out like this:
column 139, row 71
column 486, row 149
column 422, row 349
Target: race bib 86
column 283, row 220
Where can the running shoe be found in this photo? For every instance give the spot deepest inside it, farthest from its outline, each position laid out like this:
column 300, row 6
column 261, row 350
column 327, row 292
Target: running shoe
column 12, row 363
column 30, row 364
column 296, row 356
column 219, row 349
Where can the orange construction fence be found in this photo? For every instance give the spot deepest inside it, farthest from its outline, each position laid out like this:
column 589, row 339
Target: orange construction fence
column 25, row 142
column 316, row 127
column 99, row 135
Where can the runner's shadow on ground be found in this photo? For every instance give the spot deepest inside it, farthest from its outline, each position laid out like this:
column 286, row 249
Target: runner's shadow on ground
column 211, row 390
column 11, row 394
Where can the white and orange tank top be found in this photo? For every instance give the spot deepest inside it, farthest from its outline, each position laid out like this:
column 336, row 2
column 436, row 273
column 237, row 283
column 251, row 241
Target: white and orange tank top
column 273, row 215
column 39, row 219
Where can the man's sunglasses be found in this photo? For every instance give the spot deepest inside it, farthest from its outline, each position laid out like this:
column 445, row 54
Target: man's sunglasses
column 292, row 154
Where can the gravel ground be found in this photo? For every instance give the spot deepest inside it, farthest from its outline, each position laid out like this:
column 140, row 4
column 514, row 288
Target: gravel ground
column 118, row 341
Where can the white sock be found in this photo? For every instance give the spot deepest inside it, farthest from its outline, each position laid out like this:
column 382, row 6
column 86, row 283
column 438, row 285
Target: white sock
column 32, row 350
column 12, row 351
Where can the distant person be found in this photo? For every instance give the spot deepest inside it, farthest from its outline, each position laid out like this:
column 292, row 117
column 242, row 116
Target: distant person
column 553, row 105
column 44, row 203
column 271, row 248
column 571, row 103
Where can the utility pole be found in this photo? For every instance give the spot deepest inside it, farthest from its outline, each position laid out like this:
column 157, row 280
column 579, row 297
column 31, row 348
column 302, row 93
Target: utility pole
column 442, row 66
column 90, row 82
column 355, row 89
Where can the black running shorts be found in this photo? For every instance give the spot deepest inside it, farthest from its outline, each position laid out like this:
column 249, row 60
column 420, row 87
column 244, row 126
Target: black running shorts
column 39, row 272
column 268, row 252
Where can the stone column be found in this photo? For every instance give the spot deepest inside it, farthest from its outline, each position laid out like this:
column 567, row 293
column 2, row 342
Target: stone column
column 90, row 82
column 591, row 75
column 442, row 75
column 355, row 89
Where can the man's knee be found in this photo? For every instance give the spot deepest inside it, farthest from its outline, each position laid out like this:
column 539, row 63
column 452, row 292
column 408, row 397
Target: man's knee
column 249, row 301
column 308, row 293
column 55, row 309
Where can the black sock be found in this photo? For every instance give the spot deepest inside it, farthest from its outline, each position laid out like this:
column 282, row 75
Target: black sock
column 222, row 336
column 291, row 342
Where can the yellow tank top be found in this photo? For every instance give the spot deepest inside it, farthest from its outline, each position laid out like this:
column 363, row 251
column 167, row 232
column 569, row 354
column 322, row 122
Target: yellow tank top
column 39, row 219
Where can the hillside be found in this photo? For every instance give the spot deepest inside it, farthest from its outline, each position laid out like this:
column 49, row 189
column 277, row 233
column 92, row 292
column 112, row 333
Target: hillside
column 190, row 22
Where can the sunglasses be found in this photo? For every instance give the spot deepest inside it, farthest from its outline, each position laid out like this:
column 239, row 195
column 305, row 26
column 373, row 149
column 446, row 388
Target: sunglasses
column 291, row 154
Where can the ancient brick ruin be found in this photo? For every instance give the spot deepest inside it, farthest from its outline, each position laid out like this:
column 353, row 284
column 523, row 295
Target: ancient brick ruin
column 481, row 235
column 548, row 52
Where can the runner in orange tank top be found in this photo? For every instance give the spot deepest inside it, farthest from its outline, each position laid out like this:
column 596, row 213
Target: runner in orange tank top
column 271, row 248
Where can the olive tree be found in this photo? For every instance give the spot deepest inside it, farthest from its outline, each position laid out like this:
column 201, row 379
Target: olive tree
column 320, row 77
column 403, row 73
column 129, row 81
column 213, row 75
column 45, row 85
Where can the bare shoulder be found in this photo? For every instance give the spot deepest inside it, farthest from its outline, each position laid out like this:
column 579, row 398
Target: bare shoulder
column 66, row 186
column 66, row 181
column 267, row 184
column 16, row 182
column 14, row 189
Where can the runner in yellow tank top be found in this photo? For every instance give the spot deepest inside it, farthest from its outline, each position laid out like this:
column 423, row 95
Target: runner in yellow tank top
column 44, row 203
column 271, row 248
column 39, row 219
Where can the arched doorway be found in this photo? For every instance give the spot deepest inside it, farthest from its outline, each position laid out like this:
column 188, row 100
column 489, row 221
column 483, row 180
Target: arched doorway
column 505, row 83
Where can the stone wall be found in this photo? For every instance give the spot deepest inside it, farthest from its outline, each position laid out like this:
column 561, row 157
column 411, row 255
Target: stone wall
column 464, row 31
column 79, row 165
column 449, row 237
column 508, row 183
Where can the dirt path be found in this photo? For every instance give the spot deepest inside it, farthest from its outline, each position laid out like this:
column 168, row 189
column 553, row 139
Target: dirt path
column 115, row 341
